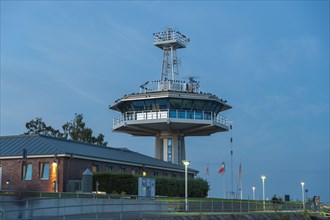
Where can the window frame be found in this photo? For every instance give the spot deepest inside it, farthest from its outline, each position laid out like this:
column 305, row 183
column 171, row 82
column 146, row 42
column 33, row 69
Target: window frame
column 43, row 170
column 27, row 171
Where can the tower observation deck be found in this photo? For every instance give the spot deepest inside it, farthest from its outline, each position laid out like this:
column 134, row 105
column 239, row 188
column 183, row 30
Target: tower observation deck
column 170, row 109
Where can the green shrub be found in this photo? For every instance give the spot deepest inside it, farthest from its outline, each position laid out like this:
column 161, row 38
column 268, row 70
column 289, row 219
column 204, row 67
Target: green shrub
column 176, row 187
column 165, row 186
column 121, row 182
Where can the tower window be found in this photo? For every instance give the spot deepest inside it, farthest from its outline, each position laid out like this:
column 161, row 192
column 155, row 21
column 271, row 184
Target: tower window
column 179, row 150
column 169, row 149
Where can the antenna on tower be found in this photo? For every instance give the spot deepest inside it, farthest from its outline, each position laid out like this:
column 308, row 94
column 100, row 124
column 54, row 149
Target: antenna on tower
column 169, row 41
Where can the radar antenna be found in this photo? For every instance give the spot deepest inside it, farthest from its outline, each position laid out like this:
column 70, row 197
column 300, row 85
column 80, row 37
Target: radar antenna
column 169, row 41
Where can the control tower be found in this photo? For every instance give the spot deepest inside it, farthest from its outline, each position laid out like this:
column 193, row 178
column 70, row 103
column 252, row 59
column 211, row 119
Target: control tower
column 170, row 109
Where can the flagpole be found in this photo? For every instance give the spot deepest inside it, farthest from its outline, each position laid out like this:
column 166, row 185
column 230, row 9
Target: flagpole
column 208, row 179
column 224, row 188
column 221, row 171
column 240, row 179
column 231, row 162
column 241, row 190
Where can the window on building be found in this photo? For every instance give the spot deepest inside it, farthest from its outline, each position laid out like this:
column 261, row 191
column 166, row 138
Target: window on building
column 95, row 168
column 27, row 172
column 165, row 174
column 174, row 175
column 135, row 171
column 110, row 169
column 122, row 170
column 44, row 171
column 156, row 174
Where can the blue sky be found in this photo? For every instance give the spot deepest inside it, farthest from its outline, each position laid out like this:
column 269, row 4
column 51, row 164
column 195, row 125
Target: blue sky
column 270, row 60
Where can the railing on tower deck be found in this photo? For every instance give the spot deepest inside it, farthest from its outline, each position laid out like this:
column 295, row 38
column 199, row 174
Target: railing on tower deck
column 170, row 113
column 191, row 86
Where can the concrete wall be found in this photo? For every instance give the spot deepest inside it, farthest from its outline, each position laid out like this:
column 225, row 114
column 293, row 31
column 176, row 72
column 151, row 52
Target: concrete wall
column 30, row 208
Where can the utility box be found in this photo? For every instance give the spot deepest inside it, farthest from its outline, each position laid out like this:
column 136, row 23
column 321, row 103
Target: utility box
column 147, row 188
column 87, row 181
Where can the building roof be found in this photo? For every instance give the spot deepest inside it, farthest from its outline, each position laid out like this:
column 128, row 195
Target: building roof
column 47, row 146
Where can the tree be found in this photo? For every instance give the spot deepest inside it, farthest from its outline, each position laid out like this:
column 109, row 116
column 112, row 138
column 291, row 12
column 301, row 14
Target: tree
column 77, row 130
column 74, row 130
column 37, row 126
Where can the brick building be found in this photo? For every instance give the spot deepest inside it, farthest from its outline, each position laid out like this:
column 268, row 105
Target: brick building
column 48, row 164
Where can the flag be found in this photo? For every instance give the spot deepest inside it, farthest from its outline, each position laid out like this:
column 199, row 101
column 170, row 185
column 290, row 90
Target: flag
column 207, row 172
column 240, row 172
column 221, row 170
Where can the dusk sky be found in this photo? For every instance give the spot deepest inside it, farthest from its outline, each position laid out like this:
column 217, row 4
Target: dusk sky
column 269, row 59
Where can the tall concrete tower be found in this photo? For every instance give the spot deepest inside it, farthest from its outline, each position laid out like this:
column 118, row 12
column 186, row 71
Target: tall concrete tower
column 170, row 109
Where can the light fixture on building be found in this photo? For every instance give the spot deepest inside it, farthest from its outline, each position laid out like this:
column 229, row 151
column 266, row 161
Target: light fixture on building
column 8, row 184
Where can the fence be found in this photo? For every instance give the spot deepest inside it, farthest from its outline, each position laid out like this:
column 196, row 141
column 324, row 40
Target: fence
column 91, row 206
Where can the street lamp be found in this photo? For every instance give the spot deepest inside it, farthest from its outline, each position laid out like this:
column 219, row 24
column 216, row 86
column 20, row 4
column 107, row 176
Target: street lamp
column 302, row 194
column 253, row 193
column 263, row 191
column 186, row 163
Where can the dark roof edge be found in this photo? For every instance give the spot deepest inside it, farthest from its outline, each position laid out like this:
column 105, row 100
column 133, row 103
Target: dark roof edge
column 63, row 139
column 93, row 145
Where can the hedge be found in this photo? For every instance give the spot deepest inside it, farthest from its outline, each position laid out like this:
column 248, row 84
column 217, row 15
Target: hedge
column 120, row 183
column 165, row 186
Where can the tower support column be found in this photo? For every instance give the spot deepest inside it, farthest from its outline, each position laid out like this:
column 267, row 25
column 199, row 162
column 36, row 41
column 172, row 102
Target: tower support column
column 170, row 147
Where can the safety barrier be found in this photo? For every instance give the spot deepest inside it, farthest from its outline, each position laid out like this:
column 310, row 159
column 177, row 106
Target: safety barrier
column 95, row 206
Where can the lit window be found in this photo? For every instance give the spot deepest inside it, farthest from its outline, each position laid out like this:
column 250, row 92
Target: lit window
column 135, row 171
column 44, row 171
column 95, row 168
column 27, row 172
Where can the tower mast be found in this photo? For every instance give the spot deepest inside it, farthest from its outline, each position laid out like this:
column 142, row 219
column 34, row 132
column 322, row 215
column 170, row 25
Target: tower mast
column 169, row 41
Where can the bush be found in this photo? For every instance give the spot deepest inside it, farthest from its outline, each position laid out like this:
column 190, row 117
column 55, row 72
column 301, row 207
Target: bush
column 176, row 187
column 165, row 186
column 121, row 182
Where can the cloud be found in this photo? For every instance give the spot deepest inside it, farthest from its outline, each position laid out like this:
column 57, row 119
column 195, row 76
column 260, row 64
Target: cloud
column 83, row 93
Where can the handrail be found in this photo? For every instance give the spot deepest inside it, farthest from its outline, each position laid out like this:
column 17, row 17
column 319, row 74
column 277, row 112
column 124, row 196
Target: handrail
column 170, row 113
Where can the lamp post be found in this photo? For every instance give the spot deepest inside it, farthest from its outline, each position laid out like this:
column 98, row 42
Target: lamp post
column 263, row 192
column 302, row 194
column 186, row 163
column 253, row 193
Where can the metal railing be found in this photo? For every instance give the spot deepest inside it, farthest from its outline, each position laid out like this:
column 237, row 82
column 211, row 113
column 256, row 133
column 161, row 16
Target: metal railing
column 91, row 206
column 168, row 114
